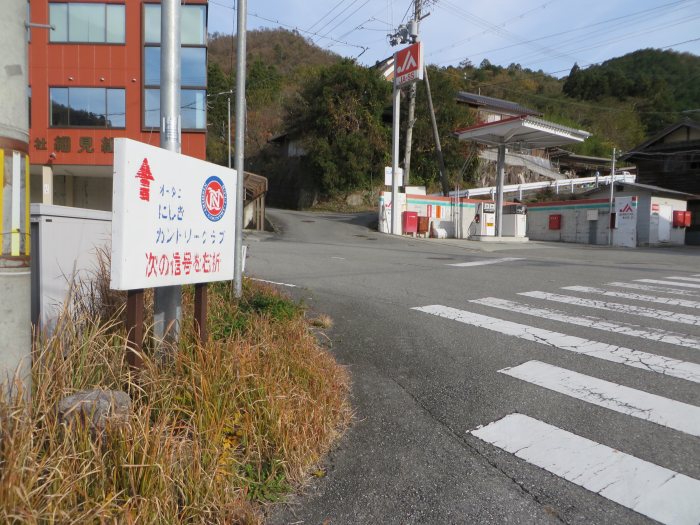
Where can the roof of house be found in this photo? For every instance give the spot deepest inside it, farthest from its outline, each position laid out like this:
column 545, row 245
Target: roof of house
column 656, row 190
column 482, row 101
column 666, row 131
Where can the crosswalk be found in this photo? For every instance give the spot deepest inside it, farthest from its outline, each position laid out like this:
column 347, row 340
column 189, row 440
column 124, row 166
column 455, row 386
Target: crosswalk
column 634, row 482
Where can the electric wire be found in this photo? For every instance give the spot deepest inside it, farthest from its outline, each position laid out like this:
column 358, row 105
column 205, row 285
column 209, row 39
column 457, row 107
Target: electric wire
column 628, row 18
column 288, row 26
column 324, row 16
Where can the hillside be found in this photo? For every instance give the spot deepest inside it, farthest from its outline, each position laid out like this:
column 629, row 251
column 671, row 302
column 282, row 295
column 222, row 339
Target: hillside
column 277, row 62
column 661, row 84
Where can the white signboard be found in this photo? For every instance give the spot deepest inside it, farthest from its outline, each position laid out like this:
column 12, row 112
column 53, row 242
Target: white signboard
column 387, row 176
column 173, row 219
column 625, row 233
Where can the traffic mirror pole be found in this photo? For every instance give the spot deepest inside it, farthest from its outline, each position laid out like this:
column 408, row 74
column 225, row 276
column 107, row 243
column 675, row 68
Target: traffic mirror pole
column 239, row 165
column 167, row 304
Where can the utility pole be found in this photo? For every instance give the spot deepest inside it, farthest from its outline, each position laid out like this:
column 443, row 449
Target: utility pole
column 15, row 274
column 167, row 304
column 413, row 32
column 240, row 144
column 612, row 195
column 436, row 136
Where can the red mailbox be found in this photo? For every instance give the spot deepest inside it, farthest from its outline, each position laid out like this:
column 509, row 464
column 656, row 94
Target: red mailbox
column 555, row 222
column 410, row 222
column 688, row 219
column 678, row 219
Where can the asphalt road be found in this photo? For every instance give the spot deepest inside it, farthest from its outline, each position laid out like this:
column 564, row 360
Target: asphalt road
column 573, row 406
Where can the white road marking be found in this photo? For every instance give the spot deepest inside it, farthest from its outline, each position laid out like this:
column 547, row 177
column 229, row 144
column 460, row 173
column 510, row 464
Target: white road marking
column 664, row 315
column 650, row 288
column 486, row 261
column 669, row 283
column 273, row 282
column 616, row 354
column 629, row 401
column 678, row 278
column 653, row 491
column 597, row 323
column 339, row 258
column 636, row 297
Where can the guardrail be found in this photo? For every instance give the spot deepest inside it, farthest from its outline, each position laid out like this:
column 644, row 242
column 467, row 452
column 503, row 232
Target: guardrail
column 556, row 185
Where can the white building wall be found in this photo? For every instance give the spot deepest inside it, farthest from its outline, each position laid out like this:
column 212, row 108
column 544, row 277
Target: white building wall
column 575, row 226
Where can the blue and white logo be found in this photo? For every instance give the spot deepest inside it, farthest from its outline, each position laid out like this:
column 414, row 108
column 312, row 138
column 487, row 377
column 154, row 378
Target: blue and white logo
column 214, row 198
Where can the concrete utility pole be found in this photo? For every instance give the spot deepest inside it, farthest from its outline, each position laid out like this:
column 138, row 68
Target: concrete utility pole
column 240, row 144
column 436, row 136
column 500, row 176
column 15, row 275
column 612, row 196
column 413, row 32
column 167, row 307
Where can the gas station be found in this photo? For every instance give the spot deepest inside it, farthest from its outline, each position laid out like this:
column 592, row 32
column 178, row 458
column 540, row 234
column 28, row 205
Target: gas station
column 465, row 218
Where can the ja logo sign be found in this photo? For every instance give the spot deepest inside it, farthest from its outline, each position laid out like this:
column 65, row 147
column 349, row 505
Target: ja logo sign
column 214, row 198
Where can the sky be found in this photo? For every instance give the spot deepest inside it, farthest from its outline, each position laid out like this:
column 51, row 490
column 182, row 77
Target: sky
column 547, row 35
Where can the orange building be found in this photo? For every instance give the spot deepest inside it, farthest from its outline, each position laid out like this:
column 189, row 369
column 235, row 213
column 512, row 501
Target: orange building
column 95, row 76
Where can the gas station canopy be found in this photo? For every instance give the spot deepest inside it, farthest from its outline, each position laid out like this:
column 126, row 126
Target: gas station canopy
column 523, row 130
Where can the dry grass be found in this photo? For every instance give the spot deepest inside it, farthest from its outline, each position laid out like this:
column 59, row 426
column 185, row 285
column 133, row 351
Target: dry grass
column 213, row 434
column 322, row 321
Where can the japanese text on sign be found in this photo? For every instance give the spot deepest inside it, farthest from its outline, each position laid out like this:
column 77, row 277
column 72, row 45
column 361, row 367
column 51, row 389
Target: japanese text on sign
column 173, row 218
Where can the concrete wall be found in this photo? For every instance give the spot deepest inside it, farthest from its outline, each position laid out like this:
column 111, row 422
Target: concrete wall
column 455, row 217
column 575, row 224
column 677, row 234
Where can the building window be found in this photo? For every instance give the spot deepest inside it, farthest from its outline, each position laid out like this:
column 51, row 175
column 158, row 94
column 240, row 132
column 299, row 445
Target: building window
column 87, row 107
column 193, row 25
column 83, row 22
column 193, row 66
column 193, row 108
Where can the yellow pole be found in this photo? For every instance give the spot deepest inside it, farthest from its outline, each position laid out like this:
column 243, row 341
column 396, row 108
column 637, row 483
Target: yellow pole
column 27, row 204
column 2, row 187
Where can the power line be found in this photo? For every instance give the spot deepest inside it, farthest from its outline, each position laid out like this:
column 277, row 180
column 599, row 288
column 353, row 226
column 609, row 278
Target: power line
column 468, row 39
column 324, row 16
column 635, row 17
column 346, row 18
column 470, row 17
column 295, row 28
column 617, row 38
column 553, row 73
column 338, row 15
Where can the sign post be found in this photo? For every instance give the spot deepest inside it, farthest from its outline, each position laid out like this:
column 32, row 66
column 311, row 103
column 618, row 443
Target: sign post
column 408, row 68
column 173, row 224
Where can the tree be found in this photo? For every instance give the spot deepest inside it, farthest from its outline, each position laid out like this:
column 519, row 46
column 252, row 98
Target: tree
column 338, row 115
column 571, row 85
column 217, row 114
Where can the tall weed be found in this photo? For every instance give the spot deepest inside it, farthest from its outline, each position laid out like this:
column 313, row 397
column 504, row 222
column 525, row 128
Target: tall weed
column 217, row 430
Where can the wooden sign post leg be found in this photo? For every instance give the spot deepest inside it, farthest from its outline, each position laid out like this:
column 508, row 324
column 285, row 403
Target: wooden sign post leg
column 134, row 327
column 200, row 312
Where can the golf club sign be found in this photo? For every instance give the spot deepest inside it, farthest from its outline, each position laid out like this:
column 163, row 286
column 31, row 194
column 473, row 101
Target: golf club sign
column 173, row 220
